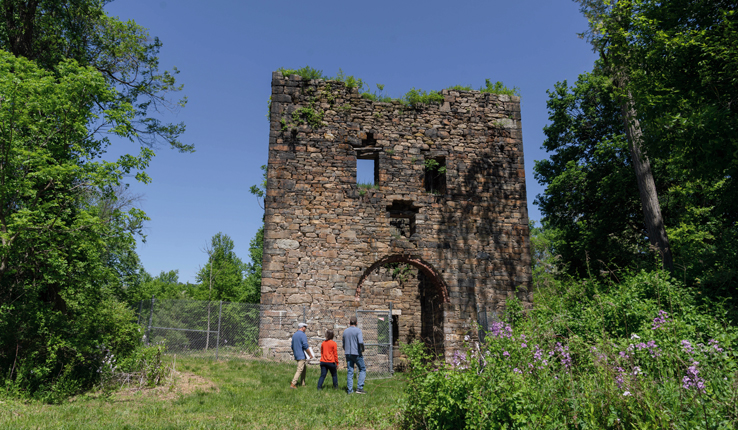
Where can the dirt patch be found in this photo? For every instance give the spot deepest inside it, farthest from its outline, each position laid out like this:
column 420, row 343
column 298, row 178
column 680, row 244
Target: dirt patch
column 180, row 383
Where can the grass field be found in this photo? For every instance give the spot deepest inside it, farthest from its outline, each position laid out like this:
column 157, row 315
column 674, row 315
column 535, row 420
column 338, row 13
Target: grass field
column 215, row 395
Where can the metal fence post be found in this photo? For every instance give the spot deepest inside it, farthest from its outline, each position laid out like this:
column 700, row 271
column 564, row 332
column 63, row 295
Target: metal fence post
column 391, row 365
column 217, row 340
column 151, row 316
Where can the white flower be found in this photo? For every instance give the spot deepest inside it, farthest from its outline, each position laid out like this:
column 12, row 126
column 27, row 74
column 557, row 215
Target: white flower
column 627, row 393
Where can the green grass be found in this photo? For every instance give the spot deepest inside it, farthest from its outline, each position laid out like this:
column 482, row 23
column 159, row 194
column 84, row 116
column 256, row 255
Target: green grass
column 242, row 394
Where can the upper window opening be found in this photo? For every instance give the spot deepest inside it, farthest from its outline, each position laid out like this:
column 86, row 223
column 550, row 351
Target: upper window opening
column 435, row 175
column 367, row 168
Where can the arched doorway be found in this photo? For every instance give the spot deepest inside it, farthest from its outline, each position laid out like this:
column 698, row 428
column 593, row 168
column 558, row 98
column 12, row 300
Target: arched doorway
column 417, row 292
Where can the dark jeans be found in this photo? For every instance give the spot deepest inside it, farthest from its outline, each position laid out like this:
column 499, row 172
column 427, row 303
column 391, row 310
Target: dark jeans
column 324, row 368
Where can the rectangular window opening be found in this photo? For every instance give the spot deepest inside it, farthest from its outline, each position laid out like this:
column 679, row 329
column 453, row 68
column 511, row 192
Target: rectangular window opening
column 435, row 175
column 367, row 169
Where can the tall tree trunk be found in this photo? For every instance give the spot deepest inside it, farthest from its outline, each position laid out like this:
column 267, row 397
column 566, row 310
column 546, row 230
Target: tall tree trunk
column 646, row 186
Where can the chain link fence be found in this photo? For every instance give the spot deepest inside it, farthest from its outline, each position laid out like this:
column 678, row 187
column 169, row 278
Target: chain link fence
column 224, row 330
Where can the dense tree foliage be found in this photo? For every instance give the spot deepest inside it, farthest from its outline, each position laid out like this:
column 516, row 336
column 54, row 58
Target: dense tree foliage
column 225, row 276
column 51, row 31
column 71, row 78
column 682, row 83
column 55, row 260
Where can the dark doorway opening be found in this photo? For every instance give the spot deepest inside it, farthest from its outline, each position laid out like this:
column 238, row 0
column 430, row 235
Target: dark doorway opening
column 431, row 315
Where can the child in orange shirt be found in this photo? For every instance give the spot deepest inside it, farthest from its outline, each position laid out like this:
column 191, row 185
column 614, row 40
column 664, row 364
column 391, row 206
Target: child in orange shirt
column 328, row 359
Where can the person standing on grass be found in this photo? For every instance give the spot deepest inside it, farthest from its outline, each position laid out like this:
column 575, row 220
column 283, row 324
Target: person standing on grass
column 299, row 346
column 353, row 346
column 328, row 359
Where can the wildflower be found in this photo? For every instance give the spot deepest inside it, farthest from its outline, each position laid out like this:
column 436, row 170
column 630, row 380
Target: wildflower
column 619, row 378
column 626, row 393
column 714, row 345
column 637, row 370
column 660, row 320
column 634, row 336
column 537, row 355
column 523, row 345
column 692, row 379
column 505, row 354
column 516, row 370
column 466, row 338
column 687, row 346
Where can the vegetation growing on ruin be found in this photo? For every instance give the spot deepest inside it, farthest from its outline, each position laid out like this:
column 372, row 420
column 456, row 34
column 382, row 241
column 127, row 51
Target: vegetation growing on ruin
column 414, row 97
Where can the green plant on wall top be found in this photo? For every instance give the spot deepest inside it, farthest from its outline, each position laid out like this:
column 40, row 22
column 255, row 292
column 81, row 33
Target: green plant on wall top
column 306, row 72
column 413, row 98
column 499, row 88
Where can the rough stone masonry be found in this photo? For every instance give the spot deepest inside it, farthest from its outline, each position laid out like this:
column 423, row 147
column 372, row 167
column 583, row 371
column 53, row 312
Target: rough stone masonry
column 440, row 239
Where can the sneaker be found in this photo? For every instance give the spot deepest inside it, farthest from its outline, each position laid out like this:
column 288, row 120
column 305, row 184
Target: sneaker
column 360, row 391
column 293, row 386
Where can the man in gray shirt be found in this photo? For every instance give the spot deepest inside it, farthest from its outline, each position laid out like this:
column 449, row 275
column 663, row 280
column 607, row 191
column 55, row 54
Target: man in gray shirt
column 353, row 347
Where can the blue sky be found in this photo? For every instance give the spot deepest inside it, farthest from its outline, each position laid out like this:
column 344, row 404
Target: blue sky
column 226, row 51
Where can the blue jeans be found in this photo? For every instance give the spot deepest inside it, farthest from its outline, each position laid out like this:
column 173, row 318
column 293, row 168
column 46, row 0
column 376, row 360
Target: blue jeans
column 359, row 361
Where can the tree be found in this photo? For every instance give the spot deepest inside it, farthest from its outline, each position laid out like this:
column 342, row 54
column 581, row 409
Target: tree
column 77, row 77
column 53, row 261
column 610, row 23
column 252, row 270
column 252, row 282
column 222, row 275
column 51, row 31
column 590, row 205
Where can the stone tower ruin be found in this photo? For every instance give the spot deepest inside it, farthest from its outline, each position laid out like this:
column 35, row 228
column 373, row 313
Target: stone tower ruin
column 441, row 240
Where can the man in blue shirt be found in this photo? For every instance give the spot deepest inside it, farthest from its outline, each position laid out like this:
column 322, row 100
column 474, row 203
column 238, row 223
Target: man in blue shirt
column 299, row 346
column 353, row 346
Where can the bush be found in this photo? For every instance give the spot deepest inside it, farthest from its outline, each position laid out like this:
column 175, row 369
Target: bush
column 634, row 354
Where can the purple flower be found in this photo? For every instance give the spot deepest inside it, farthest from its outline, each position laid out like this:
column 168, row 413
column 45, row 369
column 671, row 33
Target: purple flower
column 660, row 320
column 692, row 379
column 505, row 354
column 537, row 354
column 563, row 352
column 516, row 370
column 523, row 345
column 714, row 345
column 687, row 346
column 619, row 377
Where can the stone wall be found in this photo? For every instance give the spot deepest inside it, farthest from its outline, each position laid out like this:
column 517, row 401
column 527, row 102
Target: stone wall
column 465, row 231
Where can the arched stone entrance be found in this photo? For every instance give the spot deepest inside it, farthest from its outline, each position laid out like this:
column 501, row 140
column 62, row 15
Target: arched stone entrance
column 418, row 293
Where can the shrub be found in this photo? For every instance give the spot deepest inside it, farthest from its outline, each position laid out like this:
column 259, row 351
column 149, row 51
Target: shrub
column 638, row 354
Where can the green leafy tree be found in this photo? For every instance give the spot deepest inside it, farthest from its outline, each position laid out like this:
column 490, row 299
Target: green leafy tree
column 222, row 277
column 610, row 26
column 590, row 205
column 70, row 78
column 51, row 31
column 252, row 270
column 54, row 260
column 165, row 285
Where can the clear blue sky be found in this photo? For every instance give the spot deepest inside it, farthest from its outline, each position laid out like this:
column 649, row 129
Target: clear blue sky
column 226, row 51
